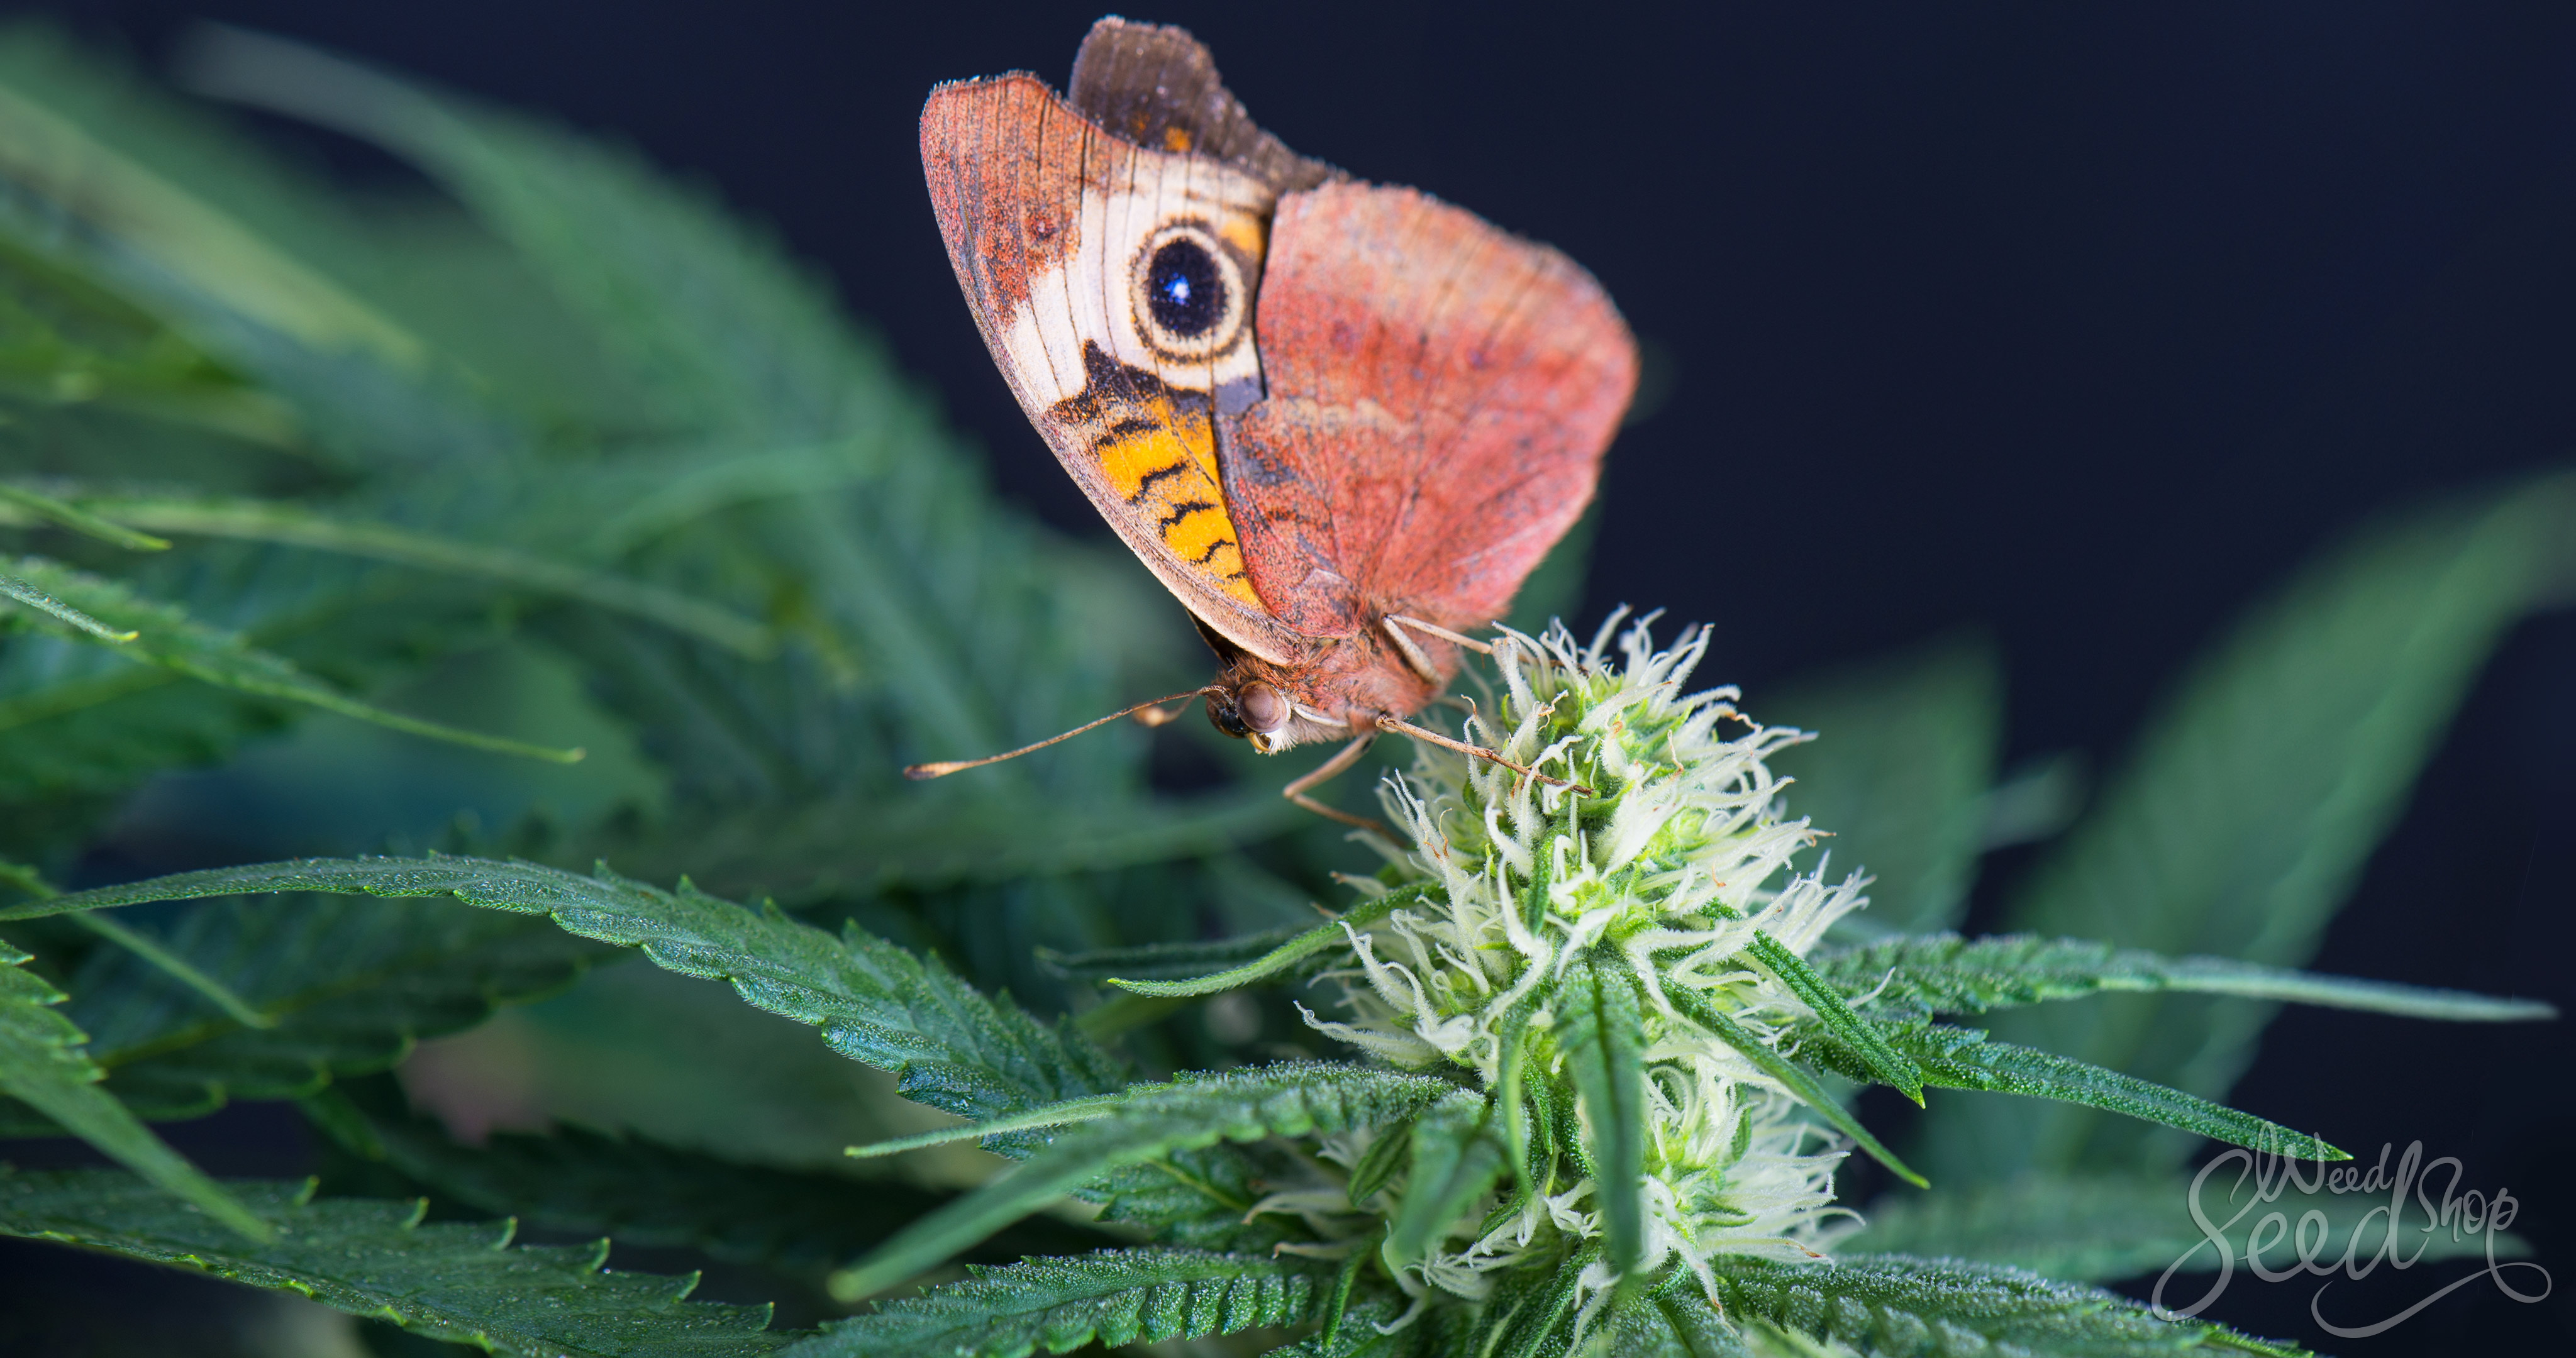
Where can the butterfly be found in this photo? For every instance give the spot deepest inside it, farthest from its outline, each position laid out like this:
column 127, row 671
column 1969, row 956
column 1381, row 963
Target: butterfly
column 1339, row 421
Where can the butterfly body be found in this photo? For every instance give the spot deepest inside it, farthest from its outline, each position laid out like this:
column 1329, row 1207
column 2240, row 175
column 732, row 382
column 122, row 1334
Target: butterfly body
column 1339, row 421
column 1336, row 691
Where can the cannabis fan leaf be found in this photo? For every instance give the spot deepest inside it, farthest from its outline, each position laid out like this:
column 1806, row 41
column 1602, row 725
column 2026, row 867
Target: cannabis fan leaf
column 379, row 1259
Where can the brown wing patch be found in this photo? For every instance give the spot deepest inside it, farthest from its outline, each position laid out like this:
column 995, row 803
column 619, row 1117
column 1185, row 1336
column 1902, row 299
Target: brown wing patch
column 1155, row 85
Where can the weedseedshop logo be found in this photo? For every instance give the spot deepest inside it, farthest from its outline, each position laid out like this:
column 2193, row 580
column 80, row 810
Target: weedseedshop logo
column 2336, row 1239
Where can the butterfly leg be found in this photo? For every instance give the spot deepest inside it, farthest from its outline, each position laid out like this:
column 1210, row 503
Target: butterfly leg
column 1434, row 629
column 1406, row 728
column 1350, row 754
column 1414, row 659
column 1397, row 624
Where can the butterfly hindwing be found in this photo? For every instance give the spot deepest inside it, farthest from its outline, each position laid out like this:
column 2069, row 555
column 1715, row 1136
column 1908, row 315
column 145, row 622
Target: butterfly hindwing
column 1439, row 396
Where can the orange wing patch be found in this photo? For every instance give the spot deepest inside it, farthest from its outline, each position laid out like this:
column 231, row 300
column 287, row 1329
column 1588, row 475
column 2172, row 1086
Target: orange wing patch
column 1156, row 449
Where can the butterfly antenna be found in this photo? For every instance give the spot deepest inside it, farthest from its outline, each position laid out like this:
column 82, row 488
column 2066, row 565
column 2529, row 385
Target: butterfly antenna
column 1400, row 727
column 945, row 767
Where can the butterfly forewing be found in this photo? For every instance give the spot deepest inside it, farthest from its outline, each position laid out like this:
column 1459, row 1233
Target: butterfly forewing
column 1059, row 233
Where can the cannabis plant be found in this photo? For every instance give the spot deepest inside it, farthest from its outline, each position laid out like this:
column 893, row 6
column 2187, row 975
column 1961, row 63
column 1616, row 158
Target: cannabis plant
column 568, row 456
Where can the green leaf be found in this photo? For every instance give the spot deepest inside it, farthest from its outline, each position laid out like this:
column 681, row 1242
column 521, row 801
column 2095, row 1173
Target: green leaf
column 1695, row 1008
column 47, row 509
column 455, row 1281
column 1200, row 1198
column 1166, row 961
column 952, row 1048
column 1359, row 1335
column 1962, row 1058
column 69, row 344
column 1899, row 773
column 11, row 587
column 1891, row 1303
column 1291, row 1099
column 1285, row 956
column 1600, row 1029
column 714, row 330
column 640, row 1191
column 394, row 332
column 2090, row 1229
column 20, row 877
column 1532, row 1311
column 1882, row 1061
column 144, row 946
column 298, row 526
column 1911, row 979
column 160, row 634
column 652, row 494
column 70, row 135
column 869, row 840
column 2102, row 1227
column 1526, row 1145
column 176, row 967
column 41, row 1062
column 1457, row 1158
column 81, row 722
column 1112, row 1297
column 1646, row 1328
column 1064, row 1114
column 949, row 1047
column 1385, row 1157
column 1337, row 1297
column 344, row 987
column 2242, row 817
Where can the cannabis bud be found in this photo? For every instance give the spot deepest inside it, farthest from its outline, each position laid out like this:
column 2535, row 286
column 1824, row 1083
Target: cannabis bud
column 1610, row 968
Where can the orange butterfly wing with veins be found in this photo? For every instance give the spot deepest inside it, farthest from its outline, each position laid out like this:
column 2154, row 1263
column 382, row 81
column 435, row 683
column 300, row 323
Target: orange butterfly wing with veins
column 1335, row 419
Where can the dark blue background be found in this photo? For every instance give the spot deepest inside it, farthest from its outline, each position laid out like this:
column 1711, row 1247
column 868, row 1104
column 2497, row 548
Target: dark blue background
column 2079, row 324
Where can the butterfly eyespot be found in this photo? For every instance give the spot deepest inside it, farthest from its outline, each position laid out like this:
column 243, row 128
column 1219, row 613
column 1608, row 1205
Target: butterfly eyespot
column 1182, row 289
column 1188, row 293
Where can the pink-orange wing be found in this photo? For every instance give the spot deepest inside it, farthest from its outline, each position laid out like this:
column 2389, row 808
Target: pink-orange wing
column 1046, row 217
column 1440, row 395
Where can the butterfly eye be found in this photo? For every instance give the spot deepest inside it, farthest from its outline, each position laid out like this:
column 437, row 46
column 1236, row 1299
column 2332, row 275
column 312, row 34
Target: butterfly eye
column 1264, row 709
column 1188, row 293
